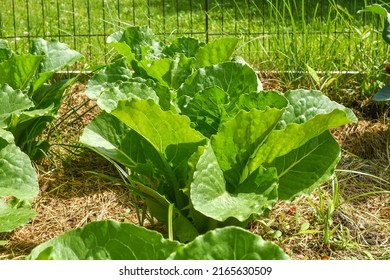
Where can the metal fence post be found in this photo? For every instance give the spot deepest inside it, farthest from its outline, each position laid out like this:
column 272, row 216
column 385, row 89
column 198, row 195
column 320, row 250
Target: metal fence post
column 1, row 25
column 207, row 20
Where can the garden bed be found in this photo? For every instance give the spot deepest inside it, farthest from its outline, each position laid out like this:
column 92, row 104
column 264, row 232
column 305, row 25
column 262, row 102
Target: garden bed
column 71, row 196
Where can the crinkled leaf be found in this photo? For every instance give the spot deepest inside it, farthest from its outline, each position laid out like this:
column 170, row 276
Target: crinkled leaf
column 12, row 102
column 125, row 50
column 114, row 72
column 206, row 110
column 57, row 54
column 185, row 45
column 29, row 124
column 305, row 105
column 169, row 72
column 216, row 52
column 111, row 240
column 210, row 197
column 106, row 240
column 229, row 243
column 238, row 140
column 140, row 39
column 308, row 115
column 213, row 106
column 17, row 176
column 112, row 139
column 383, row 94
column 157, row 69
column 6, row 136
column 232, row 77
column 11, row 217
column 165, row 94
column 260, row 101
column 170, row 135
column 112, row 94
column 306, row 167
column 19, row 70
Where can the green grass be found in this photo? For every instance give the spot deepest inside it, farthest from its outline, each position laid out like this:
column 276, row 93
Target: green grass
column 276, row 35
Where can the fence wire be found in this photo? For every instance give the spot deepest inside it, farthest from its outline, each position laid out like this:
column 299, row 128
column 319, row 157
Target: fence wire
column 268, row 28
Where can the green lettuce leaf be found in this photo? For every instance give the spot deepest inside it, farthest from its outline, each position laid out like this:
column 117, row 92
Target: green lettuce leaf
column 206, row 110
column 6, row 136
column 51, row 95
column 28, row 125
column 170, row 72
column 12, row 102
column 111, row 74
column 19, row 70
column 212, row 107
column 17, row 176
column 57, row 55
column 239, row 139
column 210, row 197
column 185, row 45
column 111, row 240
column 229, row 243
column 170, row 135
column 18, row 185
column 308, row 115
column 215, row 52
column 106, row 240
column 136, row 42
column 306, row 167
column 108, row 100
column 13, row 217
column 113, row 139
column 307, row 105
column 232, row 77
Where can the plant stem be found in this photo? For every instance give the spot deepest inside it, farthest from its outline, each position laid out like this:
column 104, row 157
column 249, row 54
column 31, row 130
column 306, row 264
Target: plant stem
column 170, row 221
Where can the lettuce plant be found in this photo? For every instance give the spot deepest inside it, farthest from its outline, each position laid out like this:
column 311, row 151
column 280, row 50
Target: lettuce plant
column 28, row 103
column 196, row 137
column 18, row 184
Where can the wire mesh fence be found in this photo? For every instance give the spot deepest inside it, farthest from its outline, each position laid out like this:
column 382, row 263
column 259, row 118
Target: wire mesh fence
column 270, row 30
